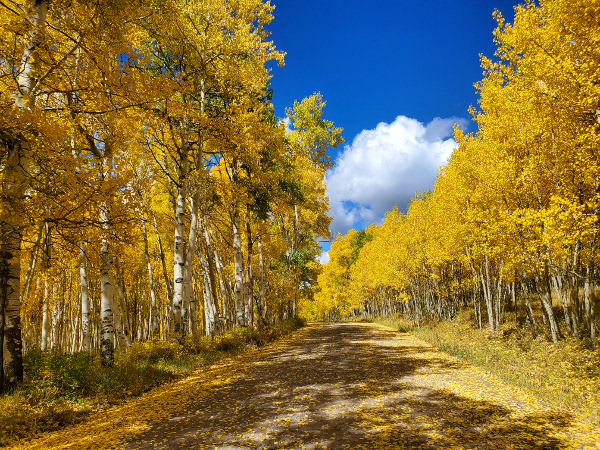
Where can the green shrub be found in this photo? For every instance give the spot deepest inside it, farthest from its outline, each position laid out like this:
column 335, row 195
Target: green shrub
column 194, row 344
column 151, row 352
column 122, row 380
column 56, row 374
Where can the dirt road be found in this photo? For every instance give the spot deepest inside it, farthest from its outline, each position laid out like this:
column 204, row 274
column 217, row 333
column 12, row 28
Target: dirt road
column 334, row 386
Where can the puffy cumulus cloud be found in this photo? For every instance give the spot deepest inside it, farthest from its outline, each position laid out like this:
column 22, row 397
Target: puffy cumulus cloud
column 324, row 257
column 385, row 167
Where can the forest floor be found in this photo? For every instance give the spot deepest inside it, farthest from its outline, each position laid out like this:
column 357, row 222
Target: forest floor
column 332, row 385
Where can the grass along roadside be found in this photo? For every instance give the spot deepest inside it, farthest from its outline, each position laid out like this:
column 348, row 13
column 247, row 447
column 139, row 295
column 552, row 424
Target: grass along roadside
column 61, row 389
column 566, row 375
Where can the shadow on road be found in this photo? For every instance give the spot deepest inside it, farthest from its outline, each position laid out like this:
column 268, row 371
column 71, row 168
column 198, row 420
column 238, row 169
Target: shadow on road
column 348, row 386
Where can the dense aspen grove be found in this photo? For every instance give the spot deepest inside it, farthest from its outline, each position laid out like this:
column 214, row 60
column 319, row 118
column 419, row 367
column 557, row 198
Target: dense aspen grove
column 147, row 189
column 512, row 223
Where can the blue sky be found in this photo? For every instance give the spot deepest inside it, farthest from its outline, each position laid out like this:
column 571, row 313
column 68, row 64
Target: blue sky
column 396, row 75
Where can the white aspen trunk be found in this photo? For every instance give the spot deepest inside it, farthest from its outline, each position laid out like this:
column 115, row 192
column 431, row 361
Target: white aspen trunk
column 190, row 293
column 488, row 290
column 75, row 311
column 588, row 301
column 546, row 298
column 179, row 247
column 547, row 303
column 192, row 236
column 193, row 311
column 85, row 299
column 44, row 345
column 209, row 307
column 69, row 329
column 56, row 306
column 209, row 312
column 250, row 282
column 118, row 322
column 107, row 293
column 485, row 282
column 140, row 329
column 106, row 313
column 238, row 262
column 107, row 288
column 296, row 279
column 488, row 302
column 153, row 310
column 263, row 305
column 238, row 256
column 191, row 324
column 290, row 249
column 574, row 291
column 75, row 341
column 46, row 320
column 26, row 285
column 26, row 80
column 122, row 307
column 225, row 289
column 560, row 288
column 210, row 267
column 37, row 325
column 499, row 307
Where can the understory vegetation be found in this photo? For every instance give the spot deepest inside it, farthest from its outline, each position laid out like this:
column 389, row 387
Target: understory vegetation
column 63, row 388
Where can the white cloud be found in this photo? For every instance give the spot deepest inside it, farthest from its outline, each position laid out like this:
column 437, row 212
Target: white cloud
column 324, row 257
column 385, row 167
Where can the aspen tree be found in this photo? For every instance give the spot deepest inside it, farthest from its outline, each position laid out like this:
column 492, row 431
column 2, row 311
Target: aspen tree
column 14, row 187
column 85, row 302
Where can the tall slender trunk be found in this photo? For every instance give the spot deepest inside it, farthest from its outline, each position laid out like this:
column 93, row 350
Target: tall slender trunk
column 263, row 306
column 187, row 273
column 250, row 283
column 296, row 279
column 122, row 304
column 116, row 310
column 224, row 284
column 514, row 300
column 588, row 301
column 179, row 245
column 26, row 285
column 546, row 298
column 56, row 322
column 528, row 308
column 488, row 301
column 210, row 268
column 193, row 310
column 209, row 307
column 499, row 305
column 85, row 299
column 45, row 341
column 561, row 289
column 153, row 311
column 238, row 260
column 240, row 317
column 107, row 330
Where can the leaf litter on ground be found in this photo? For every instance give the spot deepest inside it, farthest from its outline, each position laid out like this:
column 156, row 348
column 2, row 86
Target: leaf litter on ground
column 349, row 385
